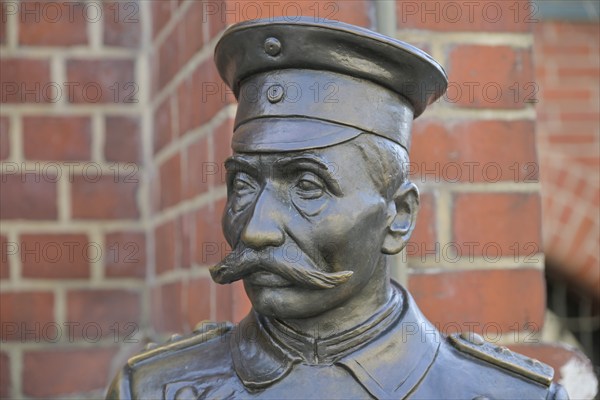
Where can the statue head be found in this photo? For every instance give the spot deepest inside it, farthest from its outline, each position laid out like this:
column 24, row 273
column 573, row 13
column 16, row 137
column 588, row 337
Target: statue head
column 318, row 190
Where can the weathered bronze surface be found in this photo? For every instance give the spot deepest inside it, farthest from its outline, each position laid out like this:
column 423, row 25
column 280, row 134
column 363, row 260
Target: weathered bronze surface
column 318, row 197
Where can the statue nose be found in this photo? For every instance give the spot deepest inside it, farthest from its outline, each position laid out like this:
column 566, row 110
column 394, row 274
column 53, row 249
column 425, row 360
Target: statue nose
column 264, row 228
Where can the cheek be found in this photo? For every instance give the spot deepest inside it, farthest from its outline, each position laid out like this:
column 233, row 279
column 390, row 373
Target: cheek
column 354, row 226
column 232, row 225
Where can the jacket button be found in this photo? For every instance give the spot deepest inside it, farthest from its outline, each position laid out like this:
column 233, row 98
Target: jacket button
column 175, row 337
column 472, row 337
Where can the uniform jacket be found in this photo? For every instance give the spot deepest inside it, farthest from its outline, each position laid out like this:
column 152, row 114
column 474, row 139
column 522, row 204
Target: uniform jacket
column 397, row 354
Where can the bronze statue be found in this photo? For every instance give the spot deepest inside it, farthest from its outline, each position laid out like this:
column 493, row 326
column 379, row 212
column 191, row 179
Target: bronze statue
column 318, row 197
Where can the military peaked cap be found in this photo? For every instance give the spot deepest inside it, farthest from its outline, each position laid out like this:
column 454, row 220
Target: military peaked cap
column 306, row 84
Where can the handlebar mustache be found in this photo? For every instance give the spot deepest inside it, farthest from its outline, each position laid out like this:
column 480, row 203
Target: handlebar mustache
column 303, row 272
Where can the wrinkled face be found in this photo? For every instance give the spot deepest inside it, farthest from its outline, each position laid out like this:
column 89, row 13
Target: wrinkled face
column 316, row 210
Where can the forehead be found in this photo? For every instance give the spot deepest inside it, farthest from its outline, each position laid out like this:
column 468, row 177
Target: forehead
column 328, row 157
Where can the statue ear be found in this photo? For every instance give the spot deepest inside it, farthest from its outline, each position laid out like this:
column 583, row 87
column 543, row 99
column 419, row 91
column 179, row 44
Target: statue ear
column 402, row 210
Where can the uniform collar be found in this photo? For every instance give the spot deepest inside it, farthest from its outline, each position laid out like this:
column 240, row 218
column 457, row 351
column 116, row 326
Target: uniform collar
column 388, row 355
column 328, row 350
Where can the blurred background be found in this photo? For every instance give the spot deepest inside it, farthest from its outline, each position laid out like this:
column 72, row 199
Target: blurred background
column 114, row 125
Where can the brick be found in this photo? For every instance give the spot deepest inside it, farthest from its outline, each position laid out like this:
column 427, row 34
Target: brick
column 102, row 81
column 222, row 139
column 211, row 246
column 166, row 250
column 98, row 314
column 572, row 139
column 187, row 231
column 198, row 301
column 501, row 224
column 122, row 23
column 581, row 187
column 424, row 236
column 57, row 138
column 167, row 309
column 125, row 254
column 592, row 162
column 187, row 107
column 42, row 378
column 591, row 72
column 485, row 77
column 493, row 301
column 5, row 382
column 354, row 12
column 199, row 170
column 573, row 94
column 474, row 151
column 25, row 315
column 3, row 18
column 211, row 94
column 123, row 139
column 584, row 228
column 4, row 139
column 26, row 81
column 5, row 249
column 67, row 23
column 161, row 12
column 487, row 16
column 190, row 29
column 57, row 256
column 28, row 196
column 216, row 21
column 565, row 215
column 579, row 116
column 97, row 196
column 169, row 58
column 170, row 182
column 162, row 128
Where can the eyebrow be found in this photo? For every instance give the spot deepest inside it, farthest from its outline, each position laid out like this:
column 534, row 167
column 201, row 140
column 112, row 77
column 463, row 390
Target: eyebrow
column 314, row 164
column 239, row 163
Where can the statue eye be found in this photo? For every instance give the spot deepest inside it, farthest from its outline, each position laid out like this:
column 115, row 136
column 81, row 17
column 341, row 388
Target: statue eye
column 309, row 186
column 243, row 191
column 241, row 184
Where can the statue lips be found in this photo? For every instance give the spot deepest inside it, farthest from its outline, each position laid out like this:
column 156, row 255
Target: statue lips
column 268, row 279
column 270, row 268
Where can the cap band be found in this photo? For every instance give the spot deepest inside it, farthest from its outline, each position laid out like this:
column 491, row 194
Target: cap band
column 289, row 134
column 325, row 96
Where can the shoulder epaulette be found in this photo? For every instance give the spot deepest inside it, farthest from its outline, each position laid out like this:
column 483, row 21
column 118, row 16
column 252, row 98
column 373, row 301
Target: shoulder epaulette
column 500, row 356
column 203, row 332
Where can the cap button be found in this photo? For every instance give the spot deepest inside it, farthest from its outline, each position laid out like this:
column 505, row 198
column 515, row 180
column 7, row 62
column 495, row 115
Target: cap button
column 272, row 46
column 275, row 93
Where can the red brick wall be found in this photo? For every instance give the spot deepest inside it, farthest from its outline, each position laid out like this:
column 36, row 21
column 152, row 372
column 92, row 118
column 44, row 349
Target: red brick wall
column 475, row 259
column 132, row 167
column 568, row 73
column 73, row 208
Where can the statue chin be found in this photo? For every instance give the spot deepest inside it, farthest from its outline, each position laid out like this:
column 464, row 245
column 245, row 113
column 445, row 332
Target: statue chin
column 288, row 302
